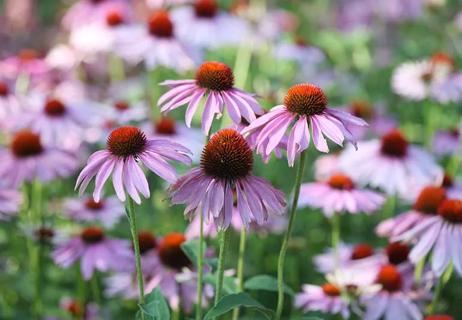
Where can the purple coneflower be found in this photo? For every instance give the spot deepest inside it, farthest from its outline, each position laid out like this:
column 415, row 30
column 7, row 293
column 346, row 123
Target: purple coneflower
column 447, row 142
column 225, row 169
column 126, row 148
column 107, row 211
column 10, row 202
column 326, row 298
column 28, row 159
column 9, row 104
column 306, row 105
column 300, row 51
column 442, row 234
column 195, row 22
column 215, row 81
column 26, row 63
column 394, row 300
column 392, row 165
column 339, row 195
column 425, row 206
column 155, row 44
column 95, row 250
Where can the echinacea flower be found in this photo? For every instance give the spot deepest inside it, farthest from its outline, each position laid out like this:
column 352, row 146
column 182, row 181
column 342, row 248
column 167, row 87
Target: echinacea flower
column 174, row 275
column 155, row 43
column 127, row 147
column 75, row 308
column 392, row 164
column 10, row 202
column 60, row 122
column 226, row 171
column 214, row 80
column 299, row 51
column 28, row 159
column 26, row 63
column 441, row 234
column 9, row 104
column 339, row 194
column 439, row 317
column 107, row 211
column 347, row 256
column 92, row 40
column 85, row 12
column 95, row 251
column 435, row 77
column 425, row 206
column 305, row 109
column 170, row 129
column 195, row 22
column 326, row 298
column 326, row 166
column 394, row 300
column 447, row 142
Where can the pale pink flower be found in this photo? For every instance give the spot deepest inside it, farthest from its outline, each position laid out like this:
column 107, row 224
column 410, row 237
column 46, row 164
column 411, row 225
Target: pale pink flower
column 305, row 109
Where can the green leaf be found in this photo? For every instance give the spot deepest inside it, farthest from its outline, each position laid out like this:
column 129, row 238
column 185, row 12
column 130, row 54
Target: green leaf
column 236, row 300
column 229, row 283
column 155, row 307
column 310, row 318
column 267, row 283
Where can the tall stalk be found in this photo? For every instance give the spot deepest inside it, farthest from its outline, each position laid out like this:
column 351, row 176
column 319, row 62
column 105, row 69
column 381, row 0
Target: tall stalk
column 136, row 247
column 240, row 267
column 224, row 235
column 200, row 267
column 285, row 241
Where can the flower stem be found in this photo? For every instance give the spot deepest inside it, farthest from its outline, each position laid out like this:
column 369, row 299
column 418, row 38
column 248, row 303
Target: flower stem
column 37, row 259
column 136, row 246
column 94, row 282
column 439, row 288
column 224, row 235
column 418, row 270
column 240, row 268
column 200, row 268
column 285, row 241
column 335, row 236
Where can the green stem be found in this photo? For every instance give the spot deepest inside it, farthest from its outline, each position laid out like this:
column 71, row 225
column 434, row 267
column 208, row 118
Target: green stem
column 240, row 268
column 36, row 217
column 285, row 241
column 116, row 69
column 418, row 271
column 136, row 247
column 94, row 282
column 224, row 235
column 389, row 208
column 200, row 268
column 335, row 236
column 439, row 288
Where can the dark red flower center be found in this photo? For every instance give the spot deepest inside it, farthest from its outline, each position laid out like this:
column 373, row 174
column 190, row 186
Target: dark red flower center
column 205, row 8
column 44, row 234
column 147, row 241
column 300, row 41
column 26, row 144
column 439, row 317
column 397, row 252
column 341, row 182
column 121, row 105
column 227, row 156
column 4, row 90
column 54, row 108
column 126, row 141
column 170, row 251
column 75, row 308
column 94, row 205
column 448, row 182
column 451, row 210
column 390, row 278
column 305, row 99
column 442, row 58
column 165, row 126
column 330, row 290
column 430, row 199
column 160, row 25
column 361, row 109
column 114, row 18
column 215, row 76
column 92, row 235
column 394, row 144
column 27, row 55
column 361, row 251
